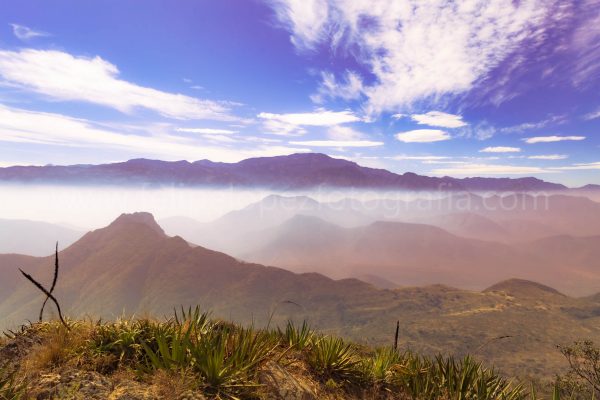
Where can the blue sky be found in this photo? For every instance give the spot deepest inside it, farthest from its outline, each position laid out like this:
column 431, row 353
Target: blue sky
column 473, row 88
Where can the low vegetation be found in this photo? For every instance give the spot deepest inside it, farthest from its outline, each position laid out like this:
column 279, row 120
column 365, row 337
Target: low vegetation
column 191, row 354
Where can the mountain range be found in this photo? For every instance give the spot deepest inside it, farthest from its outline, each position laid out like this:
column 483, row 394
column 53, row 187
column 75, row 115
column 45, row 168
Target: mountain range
column 132, row 266
column 463, row 240
column 295, row 171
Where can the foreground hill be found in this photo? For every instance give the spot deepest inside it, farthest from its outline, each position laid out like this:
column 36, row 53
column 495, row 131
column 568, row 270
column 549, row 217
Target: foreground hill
column 192, row 356
column 305, row 170
column 131, row 266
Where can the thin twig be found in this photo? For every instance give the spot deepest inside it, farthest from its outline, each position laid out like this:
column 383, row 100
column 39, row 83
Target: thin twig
column 47, row 293
column 53, row 281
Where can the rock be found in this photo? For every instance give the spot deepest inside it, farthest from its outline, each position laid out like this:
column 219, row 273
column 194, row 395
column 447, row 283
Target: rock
column 281, row 385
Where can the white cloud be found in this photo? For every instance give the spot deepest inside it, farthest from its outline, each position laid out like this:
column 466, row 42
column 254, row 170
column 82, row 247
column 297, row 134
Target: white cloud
column 592, row 115
column 304, row 17
column 500, row 149
column 20, row 126
column 415, row 50
column 581, row 166
column 398, row 116
column 350, row 89
column 25, row 33
column 438, row 118
column 337, row 143
column 550, row 139
column 207, row 131
column 553, row 120
column 274, row 127
column 488, row 169
column 344, row 133
column 549, row 157
column 420, row 158
column 62, row 76
column 320, row 117
column 422, row 136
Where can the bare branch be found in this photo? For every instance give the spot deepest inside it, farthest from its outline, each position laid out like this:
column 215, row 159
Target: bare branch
column 47, row 293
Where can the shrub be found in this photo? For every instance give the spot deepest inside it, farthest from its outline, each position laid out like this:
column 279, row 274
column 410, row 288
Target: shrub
column 10, row 389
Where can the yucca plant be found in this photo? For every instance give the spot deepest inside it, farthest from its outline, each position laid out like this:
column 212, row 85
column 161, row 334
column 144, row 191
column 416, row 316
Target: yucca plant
column 225, row 357
column 423, row 378
column 331, row 358
column 229, row 360
column 379, row 367
column 297, row 337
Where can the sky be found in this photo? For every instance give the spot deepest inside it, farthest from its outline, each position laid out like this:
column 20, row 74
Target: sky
column 468, row 88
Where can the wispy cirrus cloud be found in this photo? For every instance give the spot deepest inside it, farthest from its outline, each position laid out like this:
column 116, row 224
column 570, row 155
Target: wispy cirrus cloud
column 293, row 124
column 423, row 136
column 415, row 50
column 551, row 139
column 549, row 157
column 592, row 115
column 52, row 129
column 320, row 117
column 207, row 131
column 62, row 76
column 337, row 143
column 488, row 169
column 579, row 166
column 25, row 33
column 500, row 149
column 403, row 157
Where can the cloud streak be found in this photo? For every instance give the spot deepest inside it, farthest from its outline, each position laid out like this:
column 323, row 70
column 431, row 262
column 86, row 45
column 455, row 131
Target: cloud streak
column 552, row 139
column 62, row 76
column 51, row 129
column 25, row 33
column 500, row 149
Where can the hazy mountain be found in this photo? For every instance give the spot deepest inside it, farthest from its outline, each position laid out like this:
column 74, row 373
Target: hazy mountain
column 418, row 254
column 305, row 170
column 239, row 231
column 33, row 237
column 131, row 266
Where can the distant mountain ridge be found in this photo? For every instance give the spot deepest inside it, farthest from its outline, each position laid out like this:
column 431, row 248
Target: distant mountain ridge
column 295, row 171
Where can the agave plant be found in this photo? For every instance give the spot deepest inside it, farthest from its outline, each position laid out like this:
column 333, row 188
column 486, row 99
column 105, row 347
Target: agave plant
column 227, row 358
column 423, row 378
column 330, row 358
column 379, row 366
column 297, row 337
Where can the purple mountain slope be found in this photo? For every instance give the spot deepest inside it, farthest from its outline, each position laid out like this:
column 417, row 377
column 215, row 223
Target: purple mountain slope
column 294, row 171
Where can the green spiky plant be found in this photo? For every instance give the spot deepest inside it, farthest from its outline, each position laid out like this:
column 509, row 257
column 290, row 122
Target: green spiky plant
column 226, row 357
column 296, row 337
column 424, row 378
column 332, row 358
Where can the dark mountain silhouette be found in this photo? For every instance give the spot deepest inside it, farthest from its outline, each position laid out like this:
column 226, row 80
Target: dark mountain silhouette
column 306, row 170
